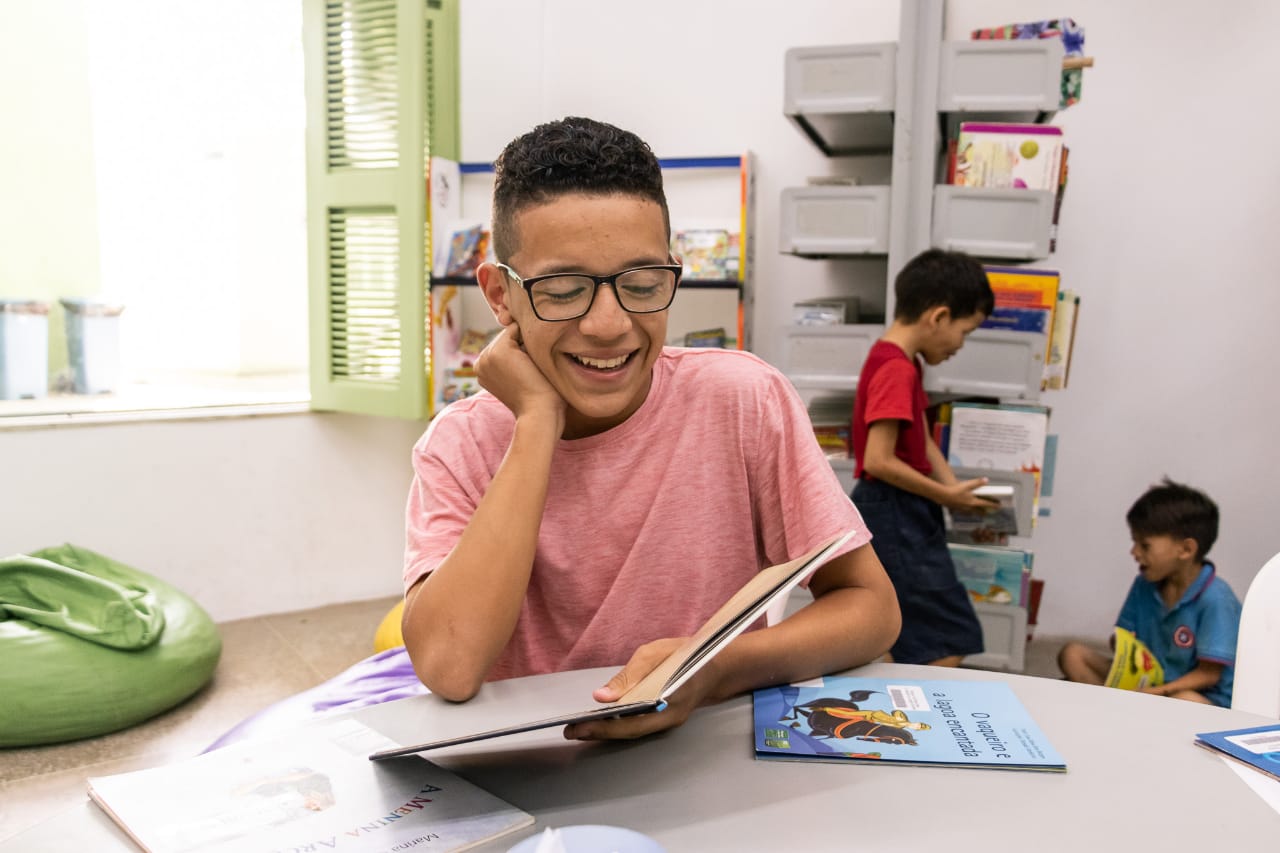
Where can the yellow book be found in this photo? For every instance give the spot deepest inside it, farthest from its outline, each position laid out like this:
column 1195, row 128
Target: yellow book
column 1134, row 665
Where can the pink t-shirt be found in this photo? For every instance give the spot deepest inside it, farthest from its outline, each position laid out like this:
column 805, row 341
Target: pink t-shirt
column 650, row 526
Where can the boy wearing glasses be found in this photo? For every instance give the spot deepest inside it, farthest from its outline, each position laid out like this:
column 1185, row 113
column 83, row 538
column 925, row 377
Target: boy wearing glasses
column 608, row 493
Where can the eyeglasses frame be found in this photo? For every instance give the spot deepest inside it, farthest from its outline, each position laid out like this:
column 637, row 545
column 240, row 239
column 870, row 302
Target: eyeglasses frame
column 528, row 283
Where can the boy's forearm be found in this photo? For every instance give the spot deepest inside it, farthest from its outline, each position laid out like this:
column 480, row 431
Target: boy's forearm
column 1203, row 677
column 897, row 473
column 847, row 625
column 458, row 619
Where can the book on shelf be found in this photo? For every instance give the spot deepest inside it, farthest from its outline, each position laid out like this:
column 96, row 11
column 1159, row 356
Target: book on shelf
column 901, row 721
column 1020, row 318
column 706, row 338
column 1000, row 437
column 1057, row 367
column 1008, row 155
column 1133, row 666
column 650, row 694
column 1067, row 30
column 994, row 575
column 310, row 789
column 706, row 253
column 1057, row 200
column 1257, row 747
column 1027, row 289
column 468, row 248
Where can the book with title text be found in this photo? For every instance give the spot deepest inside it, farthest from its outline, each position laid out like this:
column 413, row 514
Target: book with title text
column 901, row 721
column 313, row 789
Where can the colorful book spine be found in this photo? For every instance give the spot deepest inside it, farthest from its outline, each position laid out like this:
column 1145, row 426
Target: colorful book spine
column 1057, row 365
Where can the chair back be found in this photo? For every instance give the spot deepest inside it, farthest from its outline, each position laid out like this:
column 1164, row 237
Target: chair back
column 1257, row 678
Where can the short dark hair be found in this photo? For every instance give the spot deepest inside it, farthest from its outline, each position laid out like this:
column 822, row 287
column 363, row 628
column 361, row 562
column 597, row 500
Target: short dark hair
column 1177, row 510
column 936, row 277
column 571, row 155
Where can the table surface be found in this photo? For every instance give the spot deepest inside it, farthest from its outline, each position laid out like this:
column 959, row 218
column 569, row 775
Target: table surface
column 1134, row 778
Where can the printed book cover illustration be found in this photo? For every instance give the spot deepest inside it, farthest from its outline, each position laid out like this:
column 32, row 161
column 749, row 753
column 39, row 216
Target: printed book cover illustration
column 993, row 575
column 1134, row 666
column 314, row 789
column 1258, row 747
column 944, row 723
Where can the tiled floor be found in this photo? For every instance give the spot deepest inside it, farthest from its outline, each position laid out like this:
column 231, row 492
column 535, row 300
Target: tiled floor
column 263, row 660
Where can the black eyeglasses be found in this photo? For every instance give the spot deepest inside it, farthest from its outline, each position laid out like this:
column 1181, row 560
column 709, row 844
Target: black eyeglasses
column 568, row 296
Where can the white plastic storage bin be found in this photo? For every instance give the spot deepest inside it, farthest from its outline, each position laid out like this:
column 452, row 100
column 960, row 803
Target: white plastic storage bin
column 1004, row 637
column 1015, row 80
column 841, row 96
column 24, row 349
column 993, row 223
column 823, row 221
column 93, row 344
column 993, row 363
column 827, row 357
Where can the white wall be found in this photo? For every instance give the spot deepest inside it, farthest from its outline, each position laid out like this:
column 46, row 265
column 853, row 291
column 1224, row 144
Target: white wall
column 248, row 516
column 1165, row 232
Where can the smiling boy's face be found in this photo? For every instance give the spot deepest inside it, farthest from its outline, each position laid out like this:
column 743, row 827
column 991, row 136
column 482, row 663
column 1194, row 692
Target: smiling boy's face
column 602, row 362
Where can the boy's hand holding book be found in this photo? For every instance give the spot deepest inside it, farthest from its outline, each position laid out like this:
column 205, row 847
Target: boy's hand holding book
column 960, row 496
column 681, row 704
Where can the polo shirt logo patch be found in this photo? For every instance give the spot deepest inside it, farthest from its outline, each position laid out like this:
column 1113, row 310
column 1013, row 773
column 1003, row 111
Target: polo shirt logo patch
column 1184, row 637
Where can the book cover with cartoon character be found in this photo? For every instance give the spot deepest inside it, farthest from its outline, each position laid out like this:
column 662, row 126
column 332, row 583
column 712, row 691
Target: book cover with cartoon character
column 945, row 723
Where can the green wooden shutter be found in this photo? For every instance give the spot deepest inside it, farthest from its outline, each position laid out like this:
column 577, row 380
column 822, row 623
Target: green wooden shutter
column 382, row 97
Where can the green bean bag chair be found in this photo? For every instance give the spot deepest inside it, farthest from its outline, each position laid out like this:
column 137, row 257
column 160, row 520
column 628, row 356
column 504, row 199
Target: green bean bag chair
column 90, row 646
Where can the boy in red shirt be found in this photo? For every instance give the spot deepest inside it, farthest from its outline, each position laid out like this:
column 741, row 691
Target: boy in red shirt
column 903, row 480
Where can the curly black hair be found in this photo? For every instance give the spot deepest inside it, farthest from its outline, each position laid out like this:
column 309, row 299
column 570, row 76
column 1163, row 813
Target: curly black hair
column 936, row 278
column 572, row 155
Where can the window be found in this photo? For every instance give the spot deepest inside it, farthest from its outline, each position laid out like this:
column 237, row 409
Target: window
column 163, row 169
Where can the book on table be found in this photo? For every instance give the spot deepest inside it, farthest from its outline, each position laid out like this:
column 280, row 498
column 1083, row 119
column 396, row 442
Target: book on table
column 311, row 789
column 901, row 721
column 650, row 694
column 1258, row 747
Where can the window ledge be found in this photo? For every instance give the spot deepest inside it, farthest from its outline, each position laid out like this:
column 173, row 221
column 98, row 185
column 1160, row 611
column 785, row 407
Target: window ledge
column 149, row 402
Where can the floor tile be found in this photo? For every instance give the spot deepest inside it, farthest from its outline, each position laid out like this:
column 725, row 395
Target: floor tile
column 330, row 639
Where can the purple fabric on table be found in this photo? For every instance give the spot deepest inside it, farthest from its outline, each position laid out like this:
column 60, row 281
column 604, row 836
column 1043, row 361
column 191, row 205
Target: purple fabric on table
column 385, row 676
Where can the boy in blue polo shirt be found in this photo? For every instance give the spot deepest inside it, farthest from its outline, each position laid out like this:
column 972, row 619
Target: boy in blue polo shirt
column 1185, row 614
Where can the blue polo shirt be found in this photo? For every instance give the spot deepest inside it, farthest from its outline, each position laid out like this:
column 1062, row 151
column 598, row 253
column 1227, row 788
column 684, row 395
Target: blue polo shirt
column 1202, row 626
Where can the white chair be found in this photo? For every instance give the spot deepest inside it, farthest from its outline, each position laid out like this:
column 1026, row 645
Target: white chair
column 1257, row 679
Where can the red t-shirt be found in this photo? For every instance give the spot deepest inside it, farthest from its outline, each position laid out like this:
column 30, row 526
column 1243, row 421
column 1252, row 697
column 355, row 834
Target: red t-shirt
column 891, row 386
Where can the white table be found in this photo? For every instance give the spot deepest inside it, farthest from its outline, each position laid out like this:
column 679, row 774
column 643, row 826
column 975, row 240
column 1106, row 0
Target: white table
column 1134, row 779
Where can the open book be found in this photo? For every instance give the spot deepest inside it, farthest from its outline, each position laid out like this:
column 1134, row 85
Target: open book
column 650, row 694
column 310, row 789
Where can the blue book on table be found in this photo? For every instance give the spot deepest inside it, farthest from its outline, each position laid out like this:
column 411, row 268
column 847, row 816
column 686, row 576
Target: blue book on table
column 901, row 721
column 1259, row 747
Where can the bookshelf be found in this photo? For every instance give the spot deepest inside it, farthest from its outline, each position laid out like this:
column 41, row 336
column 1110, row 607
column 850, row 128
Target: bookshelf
column 905, row 99
column 716, row 192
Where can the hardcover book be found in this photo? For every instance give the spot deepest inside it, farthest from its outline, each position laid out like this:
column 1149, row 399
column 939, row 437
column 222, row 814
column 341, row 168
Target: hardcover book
column 312, row 789
column 938, row 723
column 650, row 694
column 1258, row 747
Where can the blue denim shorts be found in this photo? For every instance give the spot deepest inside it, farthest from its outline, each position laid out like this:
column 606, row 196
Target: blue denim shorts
column 909, row 537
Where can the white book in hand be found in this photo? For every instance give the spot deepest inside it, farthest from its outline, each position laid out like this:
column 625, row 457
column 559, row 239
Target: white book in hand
column 651, row 693
column 312, row 789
